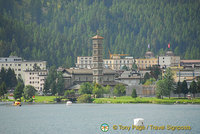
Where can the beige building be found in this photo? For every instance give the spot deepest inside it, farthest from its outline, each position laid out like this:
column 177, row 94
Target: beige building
column 190, row 64
column 145, row 63
column 84, row 62
column 118, row 63
column 19, row 65
column 114, row 64
column 23, row 68
column 148, row 61
column 35, row 78
column 181, row 74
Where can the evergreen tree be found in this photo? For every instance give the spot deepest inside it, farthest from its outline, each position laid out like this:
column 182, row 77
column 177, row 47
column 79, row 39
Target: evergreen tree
column 18, row 91
column 198, row 86
column 160, row 88
column 193, row 88
column 155, row 72
column 146, row 77
column 178, row 88
column 134, row 93
column 29, row 92
column 3, row 75
column 3, row 89
column 60, row 85
column 184, row 88
column 50, row 81
column 169, row 81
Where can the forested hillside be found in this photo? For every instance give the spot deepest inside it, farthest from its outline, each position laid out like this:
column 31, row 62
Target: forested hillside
column 60, row 30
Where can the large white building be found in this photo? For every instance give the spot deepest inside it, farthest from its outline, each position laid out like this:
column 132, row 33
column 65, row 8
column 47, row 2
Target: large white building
column 35, row 78
column 114, row 64
column 169, row 60
column 21, row 67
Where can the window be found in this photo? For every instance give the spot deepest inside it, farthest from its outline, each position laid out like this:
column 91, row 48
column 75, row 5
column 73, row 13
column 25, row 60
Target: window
column 26, row 64
column 19, row 69
column 30, row 64
column 19, row 64
column 6, row 64
column 10, row 64
column 2, row 64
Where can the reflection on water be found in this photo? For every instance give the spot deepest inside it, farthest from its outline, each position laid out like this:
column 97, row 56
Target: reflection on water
column 87, row 118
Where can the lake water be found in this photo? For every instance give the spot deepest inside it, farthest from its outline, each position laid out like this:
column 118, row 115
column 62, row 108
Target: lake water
column 87, row 118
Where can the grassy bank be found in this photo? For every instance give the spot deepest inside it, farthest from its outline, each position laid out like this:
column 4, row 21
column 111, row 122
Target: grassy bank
column 128, row 99
column 45, row 99
column 38, row 99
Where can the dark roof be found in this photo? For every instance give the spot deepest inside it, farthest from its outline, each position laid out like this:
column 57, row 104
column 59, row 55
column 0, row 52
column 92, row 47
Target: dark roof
column 89, row 71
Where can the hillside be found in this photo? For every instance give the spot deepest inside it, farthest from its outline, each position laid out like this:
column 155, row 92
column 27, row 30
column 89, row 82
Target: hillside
column 60, row 30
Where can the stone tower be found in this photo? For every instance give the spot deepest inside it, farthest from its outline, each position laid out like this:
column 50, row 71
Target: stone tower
column 97, row 59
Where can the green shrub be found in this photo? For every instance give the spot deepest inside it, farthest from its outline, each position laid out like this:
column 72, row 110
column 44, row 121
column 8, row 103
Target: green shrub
column 85, row 98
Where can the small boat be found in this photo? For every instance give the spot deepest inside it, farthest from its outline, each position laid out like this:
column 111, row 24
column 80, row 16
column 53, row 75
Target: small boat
column 139, row 122
column 69, row 103
column 17, row 103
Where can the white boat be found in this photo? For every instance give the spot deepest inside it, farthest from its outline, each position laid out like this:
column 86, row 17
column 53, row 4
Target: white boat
column 69, row 103
column 139, row 122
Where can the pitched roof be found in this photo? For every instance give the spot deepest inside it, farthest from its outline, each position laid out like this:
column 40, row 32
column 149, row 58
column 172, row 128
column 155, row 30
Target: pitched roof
column 190, row 61
column 97, row 37
column 89, row 71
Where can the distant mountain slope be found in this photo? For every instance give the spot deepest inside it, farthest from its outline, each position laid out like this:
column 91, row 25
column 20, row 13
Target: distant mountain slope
column 60, row 30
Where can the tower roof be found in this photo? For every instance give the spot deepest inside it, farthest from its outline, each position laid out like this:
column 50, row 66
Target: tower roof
column 97, row 37
column 169, row 53
column 149, row 54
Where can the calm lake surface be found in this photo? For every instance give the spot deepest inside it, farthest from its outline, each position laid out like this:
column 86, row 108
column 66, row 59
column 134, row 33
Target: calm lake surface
column 87, row 118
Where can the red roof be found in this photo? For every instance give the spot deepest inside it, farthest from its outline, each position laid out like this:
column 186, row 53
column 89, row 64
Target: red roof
column 97, row 37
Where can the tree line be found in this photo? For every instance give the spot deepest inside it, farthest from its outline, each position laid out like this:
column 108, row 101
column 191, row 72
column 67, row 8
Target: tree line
column 59, row 31
column 8, row 80
column 167, row 85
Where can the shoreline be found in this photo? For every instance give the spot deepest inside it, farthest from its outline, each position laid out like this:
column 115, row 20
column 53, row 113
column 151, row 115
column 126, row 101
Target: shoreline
column 112, row 100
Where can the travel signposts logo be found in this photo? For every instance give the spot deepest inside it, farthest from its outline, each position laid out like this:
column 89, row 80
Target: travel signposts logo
column 104, row 127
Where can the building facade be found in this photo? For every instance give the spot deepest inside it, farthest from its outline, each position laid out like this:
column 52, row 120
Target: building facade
column 118, row 64
column 190, row 64
column 114, row 64
column 143, row 64
column 168, row 61
column 77, row 76
column 19, row 65
column 84, row 62
column 35, row 78
column 25, row 68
